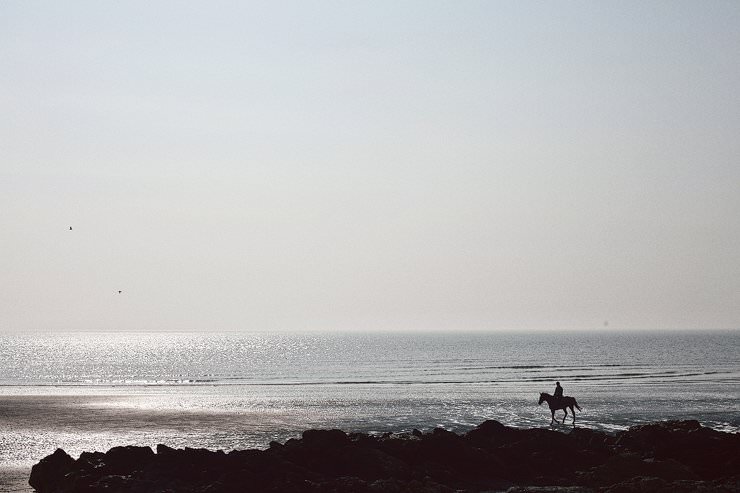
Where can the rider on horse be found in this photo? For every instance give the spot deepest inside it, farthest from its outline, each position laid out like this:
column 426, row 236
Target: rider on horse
column 558, row 391
column 559, row 401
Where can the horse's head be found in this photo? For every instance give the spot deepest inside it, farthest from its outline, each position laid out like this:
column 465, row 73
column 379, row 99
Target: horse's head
column 542, row 398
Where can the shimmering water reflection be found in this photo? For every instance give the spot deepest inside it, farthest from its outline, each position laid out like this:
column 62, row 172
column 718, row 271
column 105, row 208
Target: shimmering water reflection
column 94, row 391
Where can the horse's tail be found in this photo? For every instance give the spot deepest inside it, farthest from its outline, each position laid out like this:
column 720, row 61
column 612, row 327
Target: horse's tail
column 577, row 406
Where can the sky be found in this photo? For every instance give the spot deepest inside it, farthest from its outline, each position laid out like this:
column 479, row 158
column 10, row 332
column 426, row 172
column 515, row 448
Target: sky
column 385, row 165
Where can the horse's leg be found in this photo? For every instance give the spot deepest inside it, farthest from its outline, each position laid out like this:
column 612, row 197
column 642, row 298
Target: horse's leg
column 553, row 416
column 565, row 410
column 574, row 415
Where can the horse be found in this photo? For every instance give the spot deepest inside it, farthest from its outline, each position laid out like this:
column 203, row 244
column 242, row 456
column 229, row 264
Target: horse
column 559, row 403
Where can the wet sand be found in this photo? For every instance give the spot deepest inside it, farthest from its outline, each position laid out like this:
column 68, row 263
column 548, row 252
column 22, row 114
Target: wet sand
column 14, row 480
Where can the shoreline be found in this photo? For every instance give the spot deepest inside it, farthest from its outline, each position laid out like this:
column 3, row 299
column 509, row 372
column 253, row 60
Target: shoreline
column 661, row 456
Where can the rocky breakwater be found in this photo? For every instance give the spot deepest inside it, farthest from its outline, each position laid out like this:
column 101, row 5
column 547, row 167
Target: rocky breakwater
column 672, row 456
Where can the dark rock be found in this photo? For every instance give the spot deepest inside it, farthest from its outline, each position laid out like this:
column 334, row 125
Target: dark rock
column 549, row 489
column 657, row 485
column 51, row 470
column 620, row 468
column 425, row 485
column 165, row 450
column 669, row 456
column 488, row 431
column 372, row 463
column 707, row 452
column 123, row 460
column 325, row 438
column 91, row 460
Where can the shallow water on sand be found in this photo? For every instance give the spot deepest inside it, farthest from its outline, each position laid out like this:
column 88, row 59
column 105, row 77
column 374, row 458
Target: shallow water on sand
column 82, row 391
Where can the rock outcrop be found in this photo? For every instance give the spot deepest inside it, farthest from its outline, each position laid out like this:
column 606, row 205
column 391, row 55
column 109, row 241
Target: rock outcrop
column 667, row 456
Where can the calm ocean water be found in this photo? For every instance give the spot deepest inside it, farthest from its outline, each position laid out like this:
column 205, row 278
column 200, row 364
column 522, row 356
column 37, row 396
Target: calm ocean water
column 85, row 391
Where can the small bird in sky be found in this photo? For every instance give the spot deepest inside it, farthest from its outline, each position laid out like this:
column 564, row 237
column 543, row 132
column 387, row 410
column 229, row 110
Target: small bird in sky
column 119, row 291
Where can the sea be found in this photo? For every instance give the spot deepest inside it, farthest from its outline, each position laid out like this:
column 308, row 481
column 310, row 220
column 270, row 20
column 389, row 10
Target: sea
column 92, row 391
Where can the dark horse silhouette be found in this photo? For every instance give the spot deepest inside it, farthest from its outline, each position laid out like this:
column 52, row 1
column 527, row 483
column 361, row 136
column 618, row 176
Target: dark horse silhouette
column 560, row 403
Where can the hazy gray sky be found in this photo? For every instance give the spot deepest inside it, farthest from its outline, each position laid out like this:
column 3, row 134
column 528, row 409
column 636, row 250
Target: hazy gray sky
column 378, row 165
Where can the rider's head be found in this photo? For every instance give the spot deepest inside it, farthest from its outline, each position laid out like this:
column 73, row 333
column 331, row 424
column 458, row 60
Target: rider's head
column 557, row 383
